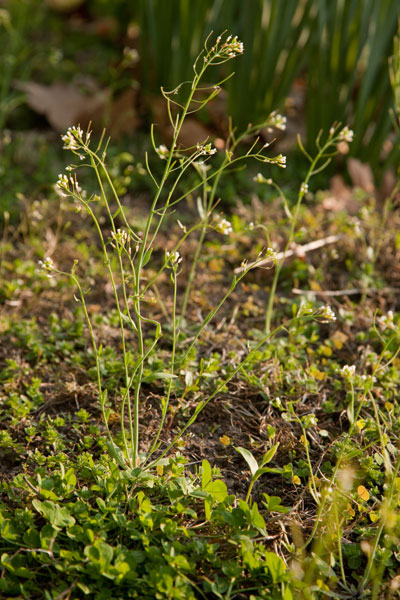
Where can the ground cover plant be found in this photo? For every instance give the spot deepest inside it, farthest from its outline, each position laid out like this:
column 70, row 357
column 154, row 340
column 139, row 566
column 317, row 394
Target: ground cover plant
column 215, row 414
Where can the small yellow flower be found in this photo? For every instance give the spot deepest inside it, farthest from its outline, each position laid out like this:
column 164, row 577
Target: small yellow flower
column 363, row 493
column 225, row 440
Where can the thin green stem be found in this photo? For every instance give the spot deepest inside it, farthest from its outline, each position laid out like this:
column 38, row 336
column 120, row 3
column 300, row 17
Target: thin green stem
column 312, row 170
column 175, row 333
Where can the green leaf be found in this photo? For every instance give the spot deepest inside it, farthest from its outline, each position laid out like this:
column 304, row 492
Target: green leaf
column 205, row 473
column 99, row 554
column 56, row 515
column 116, row 453
column 147, row 256
column 260, row 471
column 275, row 565
column 249, row 458
column 217, row 489
column 268, row 456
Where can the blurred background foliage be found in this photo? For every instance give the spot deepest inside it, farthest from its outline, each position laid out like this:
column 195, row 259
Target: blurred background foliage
column 318, row 61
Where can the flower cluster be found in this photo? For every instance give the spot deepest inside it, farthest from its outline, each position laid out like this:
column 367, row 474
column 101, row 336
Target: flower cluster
column 230, row 48
column 73, row 139
column 261, row 179
column 279, row 160
column 270, row 254
column 325, row 314
column 173, row 259
column 121, row 239
column 47, row 265
column 304, row 188
column 348, row 371
column 67, row 185
column 278, row 121
column 223, row 226
column 162, row 151
column 346, row 135
column 386, row 320
column 206, row 149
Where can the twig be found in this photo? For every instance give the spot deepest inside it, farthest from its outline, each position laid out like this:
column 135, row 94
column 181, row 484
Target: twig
column 296, row 251
column 349, row 292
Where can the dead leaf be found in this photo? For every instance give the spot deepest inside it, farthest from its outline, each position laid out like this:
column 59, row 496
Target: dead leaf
column 340, row 197
column 361, row 175
column 62, row 103
column 192, row 132
column 121, row 117
column 388, row 184
column 65, row 105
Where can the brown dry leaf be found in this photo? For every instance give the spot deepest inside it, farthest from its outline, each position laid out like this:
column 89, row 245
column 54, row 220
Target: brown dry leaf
column 192, row 132
column 65, row 105
column 120, row 118
column 340, row 197
column 388, row 184
column 361, row 175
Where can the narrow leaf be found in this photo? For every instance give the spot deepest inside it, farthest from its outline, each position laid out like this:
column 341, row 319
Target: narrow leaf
column 249, row 458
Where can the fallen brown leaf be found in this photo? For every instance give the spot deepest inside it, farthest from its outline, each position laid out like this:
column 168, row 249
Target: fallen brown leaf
column 361, row 175
column 65, row 105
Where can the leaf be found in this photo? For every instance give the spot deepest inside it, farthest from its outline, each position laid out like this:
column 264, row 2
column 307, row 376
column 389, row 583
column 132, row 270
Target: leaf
column 249, row 458
column 268, row 456
column 263, row 470
column 217, row 489
column 205, row 473
column 275, row 565
column 56, row 515
column 65, row 105
column 147, row 256
column 116, row 453
column 200, row 208
column 99, row 554
column 361, row 175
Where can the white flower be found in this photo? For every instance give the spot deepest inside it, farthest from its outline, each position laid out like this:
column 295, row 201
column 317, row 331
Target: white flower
column 232, row 46
column 73, row 139
column 304, row 188
column 47, row 265
column 162, row 151
column 223, row 226
column 386, row 320
column 121, row 238
column 348, row 371
column 346, row 135
column 62, row 185
column 326, row 314
column 270, row 254
column 173, row 259
column 281, row 161
column 206, row 149
column 278, row 121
